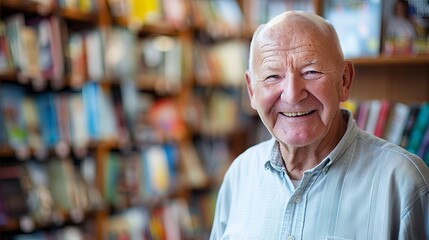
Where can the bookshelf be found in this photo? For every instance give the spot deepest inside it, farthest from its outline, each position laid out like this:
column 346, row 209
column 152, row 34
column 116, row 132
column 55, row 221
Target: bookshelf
column 205, row 91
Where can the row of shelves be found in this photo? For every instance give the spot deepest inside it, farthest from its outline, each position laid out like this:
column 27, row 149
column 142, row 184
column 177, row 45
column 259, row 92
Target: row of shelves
column 214, row 111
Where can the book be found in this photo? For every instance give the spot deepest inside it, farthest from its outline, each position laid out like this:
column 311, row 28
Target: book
column 94, row 46
column 30, row 53
column 46, row 64
column 144, row 12
column 78, row 60
column 78, row 121
column 3, row 134
column 261, row 11
column 228, row 18
column 45, row 102
column 419, row 128
column 396, row 122
column 358, row 24
column 406, row 27
column 160, row 64
column 373, row 114
column 11, row 98
column 62, row 147
column 6, row 60
column 90, row 97
column 424, row 145
column 414, row 110
column 40, row 200
column 362, row 115
column 57, row 36
column 33, row 127
column 108, row 118
column 111, row 180
column 382, row 119
column 122, row 126
column 399, row 31
column 14, row 23
column 230, row 61
column 158, row 171
column 166, row 120
column 193, row 170
column 119, row 44
column 61, row 184
column 14, row 196
column 176, row 12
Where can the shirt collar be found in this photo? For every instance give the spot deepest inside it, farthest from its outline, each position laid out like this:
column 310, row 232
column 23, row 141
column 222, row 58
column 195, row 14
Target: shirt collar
column 275, row 160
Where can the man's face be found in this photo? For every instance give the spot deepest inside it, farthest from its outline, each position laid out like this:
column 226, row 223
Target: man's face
column 296, row 85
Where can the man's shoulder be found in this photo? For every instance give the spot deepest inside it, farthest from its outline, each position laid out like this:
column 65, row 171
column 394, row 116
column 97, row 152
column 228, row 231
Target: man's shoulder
column 394, row 158
column 376, row 144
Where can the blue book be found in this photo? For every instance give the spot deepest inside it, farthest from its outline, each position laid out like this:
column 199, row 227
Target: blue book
column 424, row 145
column 419, row 128
column 3, row 135
column 48, row 118
column 11, row 98
column 414, row 111
column 90, row 96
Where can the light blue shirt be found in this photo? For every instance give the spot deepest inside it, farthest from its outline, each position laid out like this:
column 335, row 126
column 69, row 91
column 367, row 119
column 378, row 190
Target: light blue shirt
column 367, row 188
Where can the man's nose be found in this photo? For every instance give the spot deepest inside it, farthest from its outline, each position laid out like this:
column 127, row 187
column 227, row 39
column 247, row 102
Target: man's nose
column 293, row 88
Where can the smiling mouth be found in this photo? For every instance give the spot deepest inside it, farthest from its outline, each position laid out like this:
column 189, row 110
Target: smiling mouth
column 297, row 114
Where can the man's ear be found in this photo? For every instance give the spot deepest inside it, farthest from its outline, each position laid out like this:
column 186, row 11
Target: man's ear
column 347, row 80
column 249, row 88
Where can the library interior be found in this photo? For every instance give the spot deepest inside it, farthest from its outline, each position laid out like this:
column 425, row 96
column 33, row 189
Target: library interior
column 119, row 118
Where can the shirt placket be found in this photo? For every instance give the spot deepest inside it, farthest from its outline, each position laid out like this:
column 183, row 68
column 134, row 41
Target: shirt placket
column 295, row 210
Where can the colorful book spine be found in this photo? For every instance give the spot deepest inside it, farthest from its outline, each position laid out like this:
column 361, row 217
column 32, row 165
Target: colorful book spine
column 414, row 110
column 396, row 123
column 48, row 117
column 419, row 128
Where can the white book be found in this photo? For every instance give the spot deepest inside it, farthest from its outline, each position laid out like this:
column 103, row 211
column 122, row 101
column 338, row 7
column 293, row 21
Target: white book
column 95, row 60
column 78, row 125
column 374, row 112
column 396, row 123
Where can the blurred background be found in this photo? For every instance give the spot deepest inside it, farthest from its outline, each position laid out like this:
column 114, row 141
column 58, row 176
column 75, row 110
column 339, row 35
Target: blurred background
column 119, row 118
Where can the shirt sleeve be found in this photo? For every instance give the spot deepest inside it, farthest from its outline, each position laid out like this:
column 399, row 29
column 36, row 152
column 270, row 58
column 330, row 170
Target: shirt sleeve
column 414, row 224
column 221, row 213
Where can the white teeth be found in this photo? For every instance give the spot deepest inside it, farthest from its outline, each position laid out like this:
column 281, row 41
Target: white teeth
column 295, row 114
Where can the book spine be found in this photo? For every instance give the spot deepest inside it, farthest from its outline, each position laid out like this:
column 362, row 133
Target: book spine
column 414, row 110
column 419, row 128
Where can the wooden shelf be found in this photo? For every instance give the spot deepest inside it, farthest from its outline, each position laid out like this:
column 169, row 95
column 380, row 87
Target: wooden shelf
column 145, row 29
column 26, row 6
column 391, row 60
column 76, row 15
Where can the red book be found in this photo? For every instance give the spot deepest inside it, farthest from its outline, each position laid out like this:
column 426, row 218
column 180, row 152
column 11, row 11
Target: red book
column 382, row 118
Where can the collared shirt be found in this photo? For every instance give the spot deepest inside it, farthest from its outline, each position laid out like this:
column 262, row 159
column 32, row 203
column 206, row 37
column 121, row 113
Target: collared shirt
column 366, row 188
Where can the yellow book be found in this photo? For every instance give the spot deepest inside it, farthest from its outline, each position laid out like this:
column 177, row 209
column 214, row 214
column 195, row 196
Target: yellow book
column 147, row 11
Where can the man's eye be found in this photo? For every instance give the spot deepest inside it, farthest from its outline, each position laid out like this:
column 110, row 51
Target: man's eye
column 312, row 74
column 272, row 77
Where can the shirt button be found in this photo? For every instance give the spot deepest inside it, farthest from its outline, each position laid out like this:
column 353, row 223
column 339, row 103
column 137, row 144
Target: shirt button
column 267, row 166
column 291, row 237
column 297, row 199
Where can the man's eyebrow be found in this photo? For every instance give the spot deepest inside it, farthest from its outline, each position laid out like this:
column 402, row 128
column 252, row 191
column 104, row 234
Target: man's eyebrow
column 309, row 63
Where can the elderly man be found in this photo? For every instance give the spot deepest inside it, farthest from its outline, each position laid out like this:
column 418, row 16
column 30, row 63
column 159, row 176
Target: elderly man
column 319, row 177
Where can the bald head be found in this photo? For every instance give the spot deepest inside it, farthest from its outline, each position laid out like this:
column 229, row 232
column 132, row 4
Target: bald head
column 297, row 26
